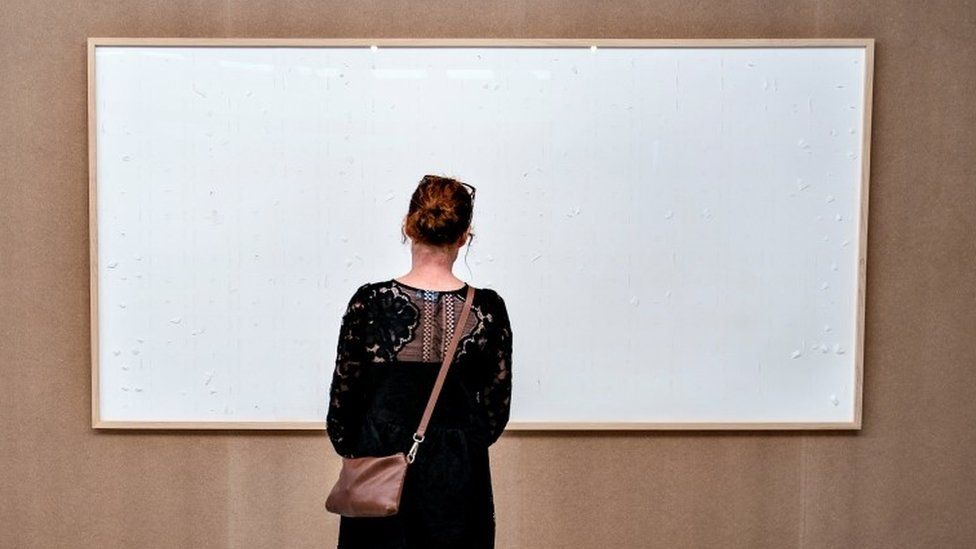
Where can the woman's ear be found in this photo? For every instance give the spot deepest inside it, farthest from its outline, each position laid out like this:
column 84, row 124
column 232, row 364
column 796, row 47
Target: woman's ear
column 403, row 229
column 464, row 237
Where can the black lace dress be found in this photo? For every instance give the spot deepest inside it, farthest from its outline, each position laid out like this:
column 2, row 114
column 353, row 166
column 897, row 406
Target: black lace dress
column 390, row 349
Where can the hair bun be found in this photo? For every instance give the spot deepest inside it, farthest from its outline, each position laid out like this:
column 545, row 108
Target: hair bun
column 440, row 211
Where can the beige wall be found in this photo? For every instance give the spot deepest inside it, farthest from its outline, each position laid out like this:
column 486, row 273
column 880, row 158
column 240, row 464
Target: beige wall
column 906, row 480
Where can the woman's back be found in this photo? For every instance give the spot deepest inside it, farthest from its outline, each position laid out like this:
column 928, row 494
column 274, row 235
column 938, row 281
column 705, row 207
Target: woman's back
column 391, row 345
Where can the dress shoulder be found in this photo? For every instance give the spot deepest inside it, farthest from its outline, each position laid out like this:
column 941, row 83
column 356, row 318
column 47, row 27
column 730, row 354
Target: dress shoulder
column 363, row 292
column 490, row 299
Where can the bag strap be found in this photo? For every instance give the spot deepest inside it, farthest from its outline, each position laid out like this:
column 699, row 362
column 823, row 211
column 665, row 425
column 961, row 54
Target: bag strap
column 418, row 437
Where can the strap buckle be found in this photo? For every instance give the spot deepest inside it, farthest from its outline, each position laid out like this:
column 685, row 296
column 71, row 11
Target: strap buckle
column 411, row 455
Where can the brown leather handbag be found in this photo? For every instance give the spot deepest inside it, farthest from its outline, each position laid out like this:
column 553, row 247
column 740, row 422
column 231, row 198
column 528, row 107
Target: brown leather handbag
column 370, row 486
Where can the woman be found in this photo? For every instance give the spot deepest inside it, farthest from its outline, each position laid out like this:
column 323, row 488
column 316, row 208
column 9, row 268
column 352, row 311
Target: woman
column 390, row 349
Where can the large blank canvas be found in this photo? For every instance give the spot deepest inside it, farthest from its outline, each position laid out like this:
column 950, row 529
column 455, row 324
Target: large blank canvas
column 677, row 231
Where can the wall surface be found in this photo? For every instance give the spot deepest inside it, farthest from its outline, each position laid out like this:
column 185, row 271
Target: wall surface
column 905, row 480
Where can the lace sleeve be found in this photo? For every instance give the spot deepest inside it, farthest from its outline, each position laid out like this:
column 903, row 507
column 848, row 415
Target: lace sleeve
column 346, row 395
column 498, row 383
